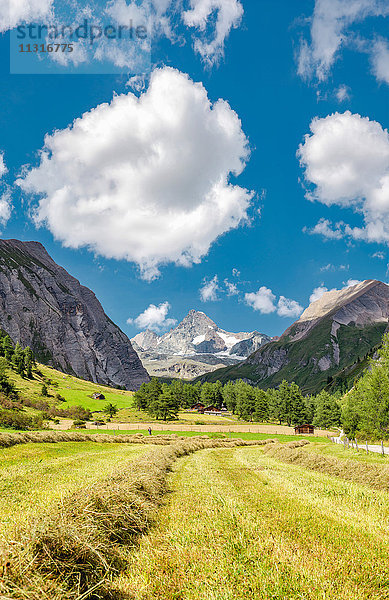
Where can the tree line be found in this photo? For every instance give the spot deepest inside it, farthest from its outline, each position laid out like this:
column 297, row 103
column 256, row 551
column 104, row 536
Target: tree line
column 366, row 406
column 286, row 404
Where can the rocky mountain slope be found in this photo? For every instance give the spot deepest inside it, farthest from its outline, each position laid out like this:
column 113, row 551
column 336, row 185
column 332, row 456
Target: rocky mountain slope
column 42, row 306
column 196, row 346
column 332, row 335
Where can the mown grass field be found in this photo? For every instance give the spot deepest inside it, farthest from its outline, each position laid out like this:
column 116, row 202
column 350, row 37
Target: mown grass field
column 240, row 525
column 34, row 477
column 236, row 524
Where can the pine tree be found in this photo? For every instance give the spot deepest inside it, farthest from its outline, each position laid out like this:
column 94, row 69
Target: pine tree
column 298, row 409
column 190, row 395
column 18, row 359
column 207, row 395
column 245, row 400
column 218, row 394
column 110, row 410
column 366, row 407
column 166, row 406
column 229, row 396
column 28, row 361
column 285, row 410
column 141, row 397
column 327, row 413
column 8, row 348
column 261, row 406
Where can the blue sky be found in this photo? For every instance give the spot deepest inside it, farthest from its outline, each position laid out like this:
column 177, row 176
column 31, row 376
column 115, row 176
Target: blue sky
column 278, row 72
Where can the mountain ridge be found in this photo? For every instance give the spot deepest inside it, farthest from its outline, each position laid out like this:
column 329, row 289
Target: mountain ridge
column 43, row 306
column 331, row 335
column 196, row 339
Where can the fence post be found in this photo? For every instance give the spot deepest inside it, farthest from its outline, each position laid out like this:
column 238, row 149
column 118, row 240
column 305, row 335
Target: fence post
column 356, row 445
column 367, row 448
column 382, row 447
column 348, row 443
column 344, row 444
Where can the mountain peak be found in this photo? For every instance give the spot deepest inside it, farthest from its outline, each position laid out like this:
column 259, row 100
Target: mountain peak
column 197, row 318
column 198, row 337
column 334, row 299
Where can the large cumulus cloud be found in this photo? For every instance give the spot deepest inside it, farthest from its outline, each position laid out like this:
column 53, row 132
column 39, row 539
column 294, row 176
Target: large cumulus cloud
column 346, row 162
column 145, row 179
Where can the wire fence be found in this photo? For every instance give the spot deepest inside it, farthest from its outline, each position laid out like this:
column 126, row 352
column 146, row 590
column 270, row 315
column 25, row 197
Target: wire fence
column 363, row 446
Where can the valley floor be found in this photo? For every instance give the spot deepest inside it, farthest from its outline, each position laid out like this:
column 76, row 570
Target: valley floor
column 240, row 525
column 34, row 477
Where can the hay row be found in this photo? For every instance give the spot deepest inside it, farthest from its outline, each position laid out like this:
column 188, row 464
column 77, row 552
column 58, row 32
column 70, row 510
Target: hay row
column 375, row 476
column 52, row 437
column 73, row 553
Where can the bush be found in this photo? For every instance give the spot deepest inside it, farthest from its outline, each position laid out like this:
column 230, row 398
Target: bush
column 19, row 420
column 79, row 424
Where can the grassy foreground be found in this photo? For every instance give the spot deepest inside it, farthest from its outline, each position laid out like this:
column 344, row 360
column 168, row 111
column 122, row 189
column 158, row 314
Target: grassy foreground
column 76, row 548
column 34, row 477
column 241, row 524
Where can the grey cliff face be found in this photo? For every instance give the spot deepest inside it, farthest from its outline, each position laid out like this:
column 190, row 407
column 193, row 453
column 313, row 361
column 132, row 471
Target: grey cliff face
column 42, row 306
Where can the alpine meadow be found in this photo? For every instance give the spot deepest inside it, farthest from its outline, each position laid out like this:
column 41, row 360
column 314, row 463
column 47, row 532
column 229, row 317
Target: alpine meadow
column 194, row 300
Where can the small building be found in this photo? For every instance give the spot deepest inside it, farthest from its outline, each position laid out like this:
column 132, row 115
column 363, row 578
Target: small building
column 198, row 406
column 304, row 430
column 98, row 396
column 212, row 410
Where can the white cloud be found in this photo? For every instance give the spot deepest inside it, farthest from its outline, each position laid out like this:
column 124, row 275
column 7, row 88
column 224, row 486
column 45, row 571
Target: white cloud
column 380, row 60
column 145, row 179
column 225, row 13
column 288, row 308
column 137, row 83
column 346, row 159
column 14, row 12
column 265, row 302
column 235, row 273
column 317, row 294
column 5, row 207
column 154, row 318
column 209, row 290
column 5, row 197
column 342, row 93
column 262, row 300
column 352, row 282
column 3, row 168
column 325, row 228
column 333, row 268
column 379, row 255
column 212, row 20
column 330, row 31
column 232, row 288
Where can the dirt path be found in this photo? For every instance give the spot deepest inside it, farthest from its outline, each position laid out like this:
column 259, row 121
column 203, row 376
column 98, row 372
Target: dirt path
column 241, row 427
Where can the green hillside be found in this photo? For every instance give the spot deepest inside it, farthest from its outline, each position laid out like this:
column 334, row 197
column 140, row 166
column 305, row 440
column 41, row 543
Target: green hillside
column 76, row 391
column 303, row 356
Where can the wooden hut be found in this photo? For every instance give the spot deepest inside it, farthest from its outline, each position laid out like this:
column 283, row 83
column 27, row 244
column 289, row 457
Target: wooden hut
column 304, row 430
